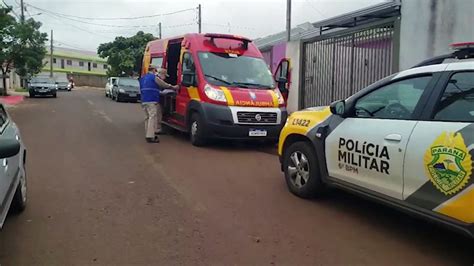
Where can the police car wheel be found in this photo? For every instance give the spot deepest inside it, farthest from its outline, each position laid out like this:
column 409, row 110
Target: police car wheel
column 196, row 129
column 20, row 197
column 302, row 170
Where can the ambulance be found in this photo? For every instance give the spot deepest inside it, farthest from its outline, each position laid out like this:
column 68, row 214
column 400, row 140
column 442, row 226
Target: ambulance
column 406, row 141
column 226, row 89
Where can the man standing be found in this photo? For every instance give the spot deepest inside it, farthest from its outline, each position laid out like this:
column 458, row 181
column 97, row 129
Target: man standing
column 150, row 86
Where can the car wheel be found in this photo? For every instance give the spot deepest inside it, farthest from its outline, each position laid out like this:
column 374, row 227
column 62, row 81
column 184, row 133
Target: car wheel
column 32, row 95
column 20, row 198
column 302, row 172
column 55, row 95
column 117, row 98
column 197, row 129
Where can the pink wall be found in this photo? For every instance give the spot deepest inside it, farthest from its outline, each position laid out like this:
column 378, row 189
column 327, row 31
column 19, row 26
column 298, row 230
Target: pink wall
column 273, row 56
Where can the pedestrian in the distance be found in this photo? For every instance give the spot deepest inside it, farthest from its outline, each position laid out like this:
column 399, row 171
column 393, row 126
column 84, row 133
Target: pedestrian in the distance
column 150, row 98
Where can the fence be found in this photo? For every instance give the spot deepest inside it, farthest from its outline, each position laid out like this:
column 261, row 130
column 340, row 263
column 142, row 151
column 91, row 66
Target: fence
column 336, row 67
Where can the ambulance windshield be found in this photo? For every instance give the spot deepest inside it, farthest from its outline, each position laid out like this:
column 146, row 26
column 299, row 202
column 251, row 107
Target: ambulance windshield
column 224, row 69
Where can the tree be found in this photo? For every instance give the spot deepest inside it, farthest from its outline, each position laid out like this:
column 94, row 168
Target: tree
column 124, row 55
column 22, row 46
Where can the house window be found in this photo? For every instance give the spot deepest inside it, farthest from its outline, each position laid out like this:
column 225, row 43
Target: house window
column 81, row 64
column 54, row 60
column 69, row 62
column 105, row 66
column 94, row 65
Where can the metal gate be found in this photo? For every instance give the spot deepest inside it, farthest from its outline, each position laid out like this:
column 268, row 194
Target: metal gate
column 336, row 67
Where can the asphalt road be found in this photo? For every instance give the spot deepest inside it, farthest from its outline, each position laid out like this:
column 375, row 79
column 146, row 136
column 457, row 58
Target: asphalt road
column 98, row 194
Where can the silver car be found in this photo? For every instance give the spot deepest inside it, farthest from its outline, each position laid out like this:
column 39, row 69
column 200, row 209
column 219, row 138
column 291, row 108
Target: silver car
column 12, row 167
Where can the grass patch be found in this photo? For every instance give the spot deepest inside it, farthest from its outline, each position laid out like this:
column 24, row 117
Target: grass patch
column 21, row 90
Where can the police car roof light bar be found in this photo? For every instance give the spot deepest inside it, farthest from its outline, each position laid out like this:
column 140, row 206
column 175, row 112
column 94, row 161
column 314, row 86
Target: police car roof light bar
column 462, row 51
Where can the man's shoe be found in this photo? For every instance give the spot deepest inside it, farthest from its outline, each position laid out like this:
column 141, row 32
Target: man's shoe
column 160, row 133
column 153, row 140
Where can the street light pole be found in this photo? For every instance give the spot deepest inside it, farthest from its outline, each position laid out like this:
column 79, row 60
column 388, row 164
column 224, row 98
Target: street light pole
column 51, row 57
column 288, row 20
column 199, row 18
column 22, row 18
column 159, row 30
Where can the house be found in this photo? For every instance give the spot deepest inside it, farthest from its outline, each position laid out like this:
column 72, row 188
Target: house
column 86, row 67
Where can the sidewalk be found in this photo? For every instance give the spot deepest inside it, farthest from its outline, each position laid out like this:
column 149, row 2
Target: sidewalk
column 13, row 97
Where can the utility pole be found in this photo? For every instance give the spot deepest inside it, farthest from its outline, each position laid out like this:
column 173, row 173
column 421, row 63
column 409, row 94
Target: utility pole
column 22, row 18
column 159, row 30
column 51, row 57
column 199, row 17
column 288, row 20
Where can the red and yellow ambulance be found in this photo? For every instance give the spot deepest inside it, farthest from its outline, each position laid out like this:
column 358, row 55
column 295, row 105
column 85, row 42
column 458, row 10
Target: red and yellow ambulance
column 226, row 89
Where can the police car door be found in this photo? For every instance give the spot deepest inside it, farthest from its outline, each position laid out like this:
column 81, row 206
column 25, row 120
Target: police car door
column 439, row 167
column 367, row 148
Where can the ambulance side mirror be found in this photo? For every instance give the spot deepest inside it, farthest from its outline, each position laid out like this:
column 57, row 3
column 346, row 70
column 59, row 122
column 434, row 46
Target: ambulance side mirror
column 282, row 74
column 188, row 78
column 338, row 107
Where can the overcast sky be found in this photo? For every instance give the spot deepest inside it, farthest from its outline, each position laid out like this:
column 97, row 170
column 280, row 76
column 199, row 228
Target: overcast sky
column 253, row 19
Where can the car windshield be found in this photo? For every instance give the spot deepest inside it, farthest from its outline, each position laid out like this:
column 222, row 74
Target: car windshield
column 41, row 80
column 128, row 82
column 234, row 70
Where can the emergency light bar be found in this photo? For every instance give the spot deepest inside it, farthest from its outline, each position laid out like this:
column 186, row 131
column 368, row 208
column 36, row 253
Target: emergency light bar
column 214, row 36
column 464, row 50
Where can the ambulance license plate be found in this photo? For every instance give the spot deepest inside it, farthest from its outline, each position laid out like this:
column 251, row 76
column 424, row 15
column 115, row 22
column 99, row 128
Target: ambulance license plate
column 257, row 133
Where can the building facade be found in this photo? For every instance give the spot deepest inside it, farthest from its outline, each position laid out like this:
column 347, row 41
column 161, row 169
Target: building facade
column 72, row 61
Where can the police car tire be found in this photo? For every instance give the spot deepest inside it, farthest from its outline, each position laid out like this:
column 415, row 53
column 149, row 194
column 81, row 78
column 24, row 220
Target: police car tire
column 197, row 139
column 314, row 187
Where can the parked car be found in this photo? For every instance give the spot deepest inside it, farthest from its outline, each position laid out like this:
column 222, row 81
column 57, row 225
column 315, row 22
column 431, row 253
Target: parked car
column 13, row 186
column 109, row 85
column 406, row 141
column 63, row 83
column 42, row 86
column 126, row 90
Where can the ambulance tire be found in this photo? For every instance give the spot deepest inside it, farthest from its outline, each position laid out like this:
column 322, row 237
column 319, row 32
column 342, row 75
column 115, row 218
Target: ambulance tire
column 308, row 167
column 197, row 130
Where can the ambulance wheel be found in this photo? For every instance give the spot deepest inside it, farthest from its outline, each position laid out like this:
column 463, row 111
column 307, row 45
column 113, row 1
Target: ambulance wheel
column 197, row 129
column 302, row 172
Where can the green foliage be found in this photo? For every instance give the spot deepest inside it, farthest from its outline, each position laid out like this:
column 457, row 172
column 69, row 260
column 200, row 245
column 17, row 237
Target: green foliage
column 124, row 55
column 22, row 45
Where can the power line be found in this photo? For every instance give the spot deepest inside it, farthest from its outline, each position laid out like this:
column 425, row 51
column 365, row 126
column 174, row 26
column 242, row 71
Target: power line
column 315, row 9
column 118, row 18
column 227, row 26
column 69, row 45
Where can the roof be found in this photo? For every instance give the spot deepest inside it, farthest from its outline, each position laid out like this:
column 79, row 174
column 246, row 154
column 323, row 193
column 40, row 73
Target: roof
column 213, row 42
column 77, row 54
column 355, row 18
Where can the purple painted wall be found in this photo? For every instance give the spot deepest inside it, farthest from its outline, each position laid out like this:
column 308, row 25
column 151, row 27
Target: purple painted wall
column 267, row 56
column 278, row 53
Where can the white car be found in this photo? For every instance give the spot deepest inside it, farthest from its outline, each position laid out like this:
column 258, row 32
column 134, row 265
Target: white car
column 13, row 192
column 111, row 82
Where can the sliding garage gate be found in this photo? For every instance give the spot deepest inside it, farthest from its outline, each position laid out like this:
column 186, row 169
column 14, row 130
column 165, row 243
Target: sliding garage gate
column 337, row 66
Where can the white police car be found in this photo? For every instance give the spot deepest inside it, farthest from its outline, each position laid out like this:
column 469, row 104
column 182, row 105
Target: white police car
column 407, row 140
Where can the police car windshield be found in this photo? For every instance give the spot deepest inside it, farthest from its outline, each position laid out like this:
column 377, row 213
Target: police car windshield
column 128, row 82
column 224, row 69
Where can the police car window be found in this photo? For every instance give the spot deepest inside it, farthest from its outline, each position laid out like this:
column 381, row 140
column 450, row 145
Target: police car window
column 394, row 101
column 457, row 102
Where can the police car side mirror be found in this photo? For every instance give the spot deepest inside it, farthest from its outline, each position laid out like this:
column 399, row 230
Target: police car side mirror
column 9, row 148
column 338, row 107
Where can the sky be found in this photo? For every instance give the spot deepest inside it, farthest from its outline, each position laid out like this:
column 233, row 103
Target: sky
column 251, row 18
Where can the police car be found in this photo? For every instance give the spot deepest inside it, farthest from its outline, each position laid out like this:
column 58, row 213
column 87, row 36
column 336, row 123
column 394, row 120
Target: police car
column 406, row 140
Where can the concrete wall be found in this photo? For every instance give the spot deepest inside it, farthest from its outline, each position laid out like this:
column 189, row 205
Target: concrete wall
column 429, row 26
column 89, row 80
column 293, row 53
